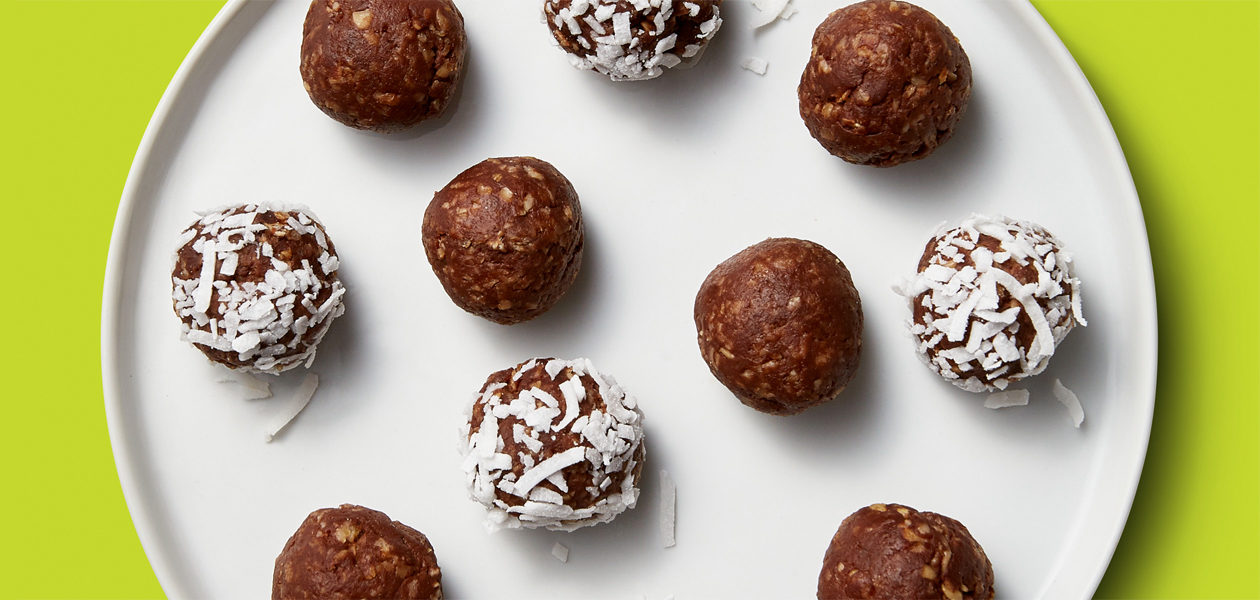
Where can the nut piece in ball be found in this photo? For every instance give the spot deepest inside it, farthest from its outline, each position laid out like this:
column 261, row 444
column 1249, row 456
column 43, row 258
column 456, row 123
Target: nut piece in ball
column 505, row 238
column 780, row 325
column 255, row 287
column 553, row 443
column 353, row 553
column 630, row 40
column 886, row 83
column 382, row 65
column 991, row 301
column 894, row 552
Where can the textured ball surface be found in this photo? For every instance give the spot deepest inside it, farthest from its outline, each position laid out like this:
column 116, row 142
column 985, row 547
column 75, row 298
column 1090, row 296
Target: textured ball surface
column 894, row 552
column 886, row 83
column 780, row 325
column 356, row 553
column 505, row 238
column 382, row 65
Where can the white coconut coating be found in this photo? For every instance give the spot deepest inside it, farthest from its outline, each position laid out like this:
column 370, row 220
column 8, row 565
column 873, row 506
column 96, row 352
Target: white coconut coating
column 992, row 300
column 553, row 443
column 632, row 40
column 256, row 286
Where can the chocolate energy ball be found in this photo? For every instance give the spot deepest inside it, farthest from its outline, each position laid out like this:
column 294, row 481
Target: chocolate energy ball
column 354, row 553
column 886, row 83
column 505, row 238
column 553, row 443
column 780, row 325
column 382, row 65
column 991, row 301
column 255, row 286
column 894, row 552
column 631, row 40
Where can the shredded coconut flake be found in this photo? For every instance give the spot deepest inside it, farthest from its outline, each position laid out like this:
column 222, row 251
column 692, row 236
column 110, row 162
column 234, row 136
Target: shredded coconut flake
column 1073, row 404
column 560, row 551
column 205, row 282
column 768, row 11
column 755, row 64
column 1006, row 399
column 255, row 388
column 546, row 468
column 669, row 498
column 296, row 405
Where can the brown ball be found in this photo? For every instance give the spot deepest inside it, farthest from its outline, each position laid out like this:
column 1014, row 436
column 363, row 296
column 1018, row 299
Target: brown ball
column 992, row 300
column 256, row 286
column 382, row 65
column 353, row 553
column 780, row 325
column 886, row 83
column 894, row 552
column 553, row 443
column 632, row 40
column 505, row 238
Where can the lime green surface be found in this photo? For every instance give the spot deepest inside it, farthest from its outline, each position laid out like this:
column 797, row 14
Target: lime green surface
column 80, row 80
column 1181, row 84
column 1180, row 81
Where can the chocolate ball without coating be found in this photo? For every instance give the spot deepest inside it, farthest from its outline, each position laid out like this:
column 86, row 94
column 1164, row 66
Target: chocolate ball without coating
column 382, row 65
column 352, row 552
column 894, row 552
column 505, row 238
column 780, row 325
column 886, row 83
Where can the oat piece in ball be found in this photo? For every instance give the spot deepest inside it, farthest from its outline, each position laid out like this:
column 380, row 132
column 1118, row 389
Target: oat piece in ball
column 991, row 301
column 630, row 40
column 505, row 238
column 382, row 65
column 553, row 443
column 894, row 552
column 256, row 287
column 355, row 553
column 780, row 325
column 886, row 83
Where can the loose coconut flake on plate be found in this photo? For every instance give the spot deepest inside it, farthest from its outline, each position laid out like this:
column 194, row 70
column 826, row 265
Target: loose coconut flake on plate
column 1073, row 404
column 254, row 387
column 755, row 64
column 769, row 11
column 296, row 404
column 1006, row 398
column 669, row 505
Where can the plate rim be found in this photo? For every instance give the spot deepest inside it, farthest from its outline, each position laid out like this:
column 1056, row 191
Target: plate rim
column 155, row 550
column 1108, row 531
column 1098, row 530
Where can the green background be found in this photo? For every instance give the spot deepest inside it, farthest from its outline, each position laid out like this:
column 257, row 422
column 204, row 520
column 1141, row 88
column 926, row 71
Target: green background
column 1180, row 81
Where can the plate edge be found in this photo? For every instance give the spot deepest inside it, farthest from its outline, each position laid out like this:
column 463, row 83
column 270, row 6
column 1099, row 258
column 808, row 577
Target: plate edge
column 111, row 294
column 1058, row 587
column 1023, row 9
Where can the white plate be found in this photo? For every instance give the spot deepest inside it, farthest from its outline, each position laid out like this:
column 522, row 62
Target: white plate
column 675, row 175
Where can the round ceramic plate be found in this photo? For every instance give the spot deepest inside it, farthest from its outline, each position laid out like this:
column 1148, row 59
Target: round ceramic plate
column 675, row 175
